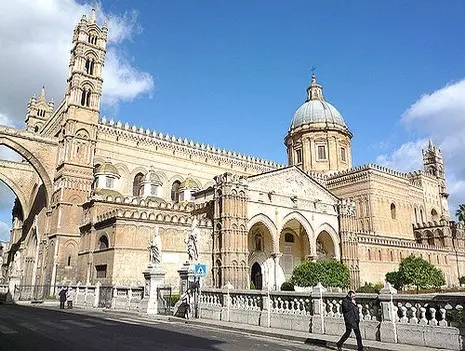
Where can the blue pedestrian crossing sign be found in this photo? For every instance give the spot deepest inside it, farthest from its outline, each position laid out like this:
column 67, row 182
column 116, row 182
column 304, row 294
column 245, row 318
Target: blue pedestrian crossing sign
column 200, row 270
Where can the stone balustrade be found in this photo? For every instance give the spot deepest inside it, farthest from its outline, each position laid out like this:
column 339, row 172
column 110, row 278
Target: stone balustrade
column 433, row 320
column 117, row 297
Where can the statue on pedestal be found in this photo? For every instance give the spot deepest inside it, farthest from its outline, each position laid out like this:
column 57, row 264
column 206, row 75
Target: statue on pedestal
column 155, row 248
column 191, row 241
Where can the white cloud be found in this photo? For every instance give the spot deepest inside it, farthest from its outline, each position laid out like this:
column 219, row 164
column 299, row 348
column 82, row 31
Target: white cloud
column 36, row 40
column 441, row 116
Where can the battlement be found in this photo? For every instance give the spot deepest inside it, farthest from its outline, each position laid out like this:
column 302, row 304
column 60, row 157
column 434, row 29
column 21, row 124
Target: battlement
column 188, row 146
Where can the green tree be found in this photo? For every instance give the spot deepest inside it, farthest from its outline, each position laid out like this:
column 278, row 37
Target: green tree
column 460, row 213
column 395, row 279
column 419, row 272
column 328, row 273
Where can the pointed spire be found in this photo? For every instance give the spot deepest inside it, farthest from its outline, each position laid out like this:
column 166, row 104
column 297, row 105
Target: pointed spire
column 92, row 14
column 430, row 144
column 315, row 90
column 42, row 94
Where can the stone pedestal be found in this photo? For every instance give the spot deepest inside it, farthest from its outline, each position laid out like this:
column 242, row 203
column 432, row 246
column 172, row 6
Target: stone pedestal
column 154, row 278
column 187, row 277
column 12, row 283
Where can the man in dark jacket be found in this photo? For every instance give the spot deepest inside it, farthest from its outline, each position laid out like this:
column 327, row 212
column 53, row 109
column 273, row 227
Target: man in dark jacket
column 62, row 295
column 351, row 319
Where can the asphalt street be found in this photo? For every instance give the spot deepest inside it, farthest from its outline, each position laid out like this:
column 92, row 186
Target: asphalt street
column 24, row 328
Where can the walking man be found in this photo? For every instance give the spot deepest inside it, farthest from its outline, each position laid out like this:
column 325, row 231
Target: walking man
column 351, row 320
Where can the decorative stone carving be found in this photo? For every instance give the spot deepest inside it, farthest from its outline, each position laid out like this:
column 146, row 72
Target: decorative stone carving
column 191, row 241
column 155, row 248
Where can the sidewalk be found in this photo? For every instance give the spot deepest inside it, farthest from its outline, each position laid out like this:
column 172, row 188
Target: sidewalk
column 295, row 336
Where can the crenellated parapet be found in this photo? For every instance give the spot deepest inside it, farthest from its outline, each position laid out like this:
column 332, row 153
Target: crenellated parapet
column 172, row 143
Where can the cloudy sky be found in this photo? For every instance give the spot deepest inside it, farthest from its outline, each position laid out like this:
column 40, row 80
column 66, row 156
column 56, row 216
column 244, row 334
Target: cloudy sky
column 232, row 74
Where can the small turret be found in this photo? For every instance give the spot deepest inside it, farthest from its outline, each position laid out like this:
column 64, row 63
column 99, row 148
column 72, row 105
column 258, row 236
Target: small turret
column 38, row 111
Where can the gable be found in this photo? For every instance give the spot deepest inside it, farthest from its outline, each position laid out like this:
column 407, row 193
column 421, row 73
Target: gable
column 291, row 182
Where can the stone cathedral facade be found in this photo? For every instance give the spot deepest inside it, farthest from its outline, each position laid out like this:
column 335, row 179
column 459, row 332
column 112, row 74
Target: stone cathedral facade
column 91, row 192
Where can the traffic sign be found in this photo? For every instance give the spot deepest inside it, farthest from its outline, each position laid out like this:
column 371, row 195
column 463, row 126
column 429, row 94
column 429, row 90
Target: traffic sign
column 200, row 270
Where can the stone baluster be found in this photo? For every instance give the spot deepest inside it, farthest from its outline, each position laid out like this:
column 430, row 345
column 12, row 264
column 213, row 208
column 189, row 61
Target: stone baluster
column 367, row 316
column 388, row 331
column 433, row 321
column 403, row 311
column 413, row 319
column 443, row 321
column 330, row 309
column 423, row 320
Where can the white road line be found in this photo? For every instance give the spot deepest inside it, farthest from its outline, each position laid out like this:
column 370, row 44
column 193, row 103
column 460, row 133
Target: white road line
column 5, row 330
column 132, row 321
column 55, row 325
column 29, row 326
column 101, row 321
column 79, row 324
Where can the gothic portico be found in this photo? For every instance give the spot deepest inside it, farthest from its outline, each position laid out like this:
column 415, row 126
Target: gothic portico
column 292, row 218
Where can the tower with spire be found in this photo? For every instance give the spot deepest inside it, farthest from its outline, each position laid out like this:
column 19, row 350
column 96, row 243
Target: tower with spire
column 38, row 112
column 433, row 165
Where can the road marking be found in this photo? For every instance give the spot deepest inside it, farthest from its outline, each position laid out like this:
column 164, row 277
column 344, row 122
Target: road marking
column 79, row 324
column 29, row 326
column 6, row 330
column 100, row 321
column 55, row 325
column 132, row 321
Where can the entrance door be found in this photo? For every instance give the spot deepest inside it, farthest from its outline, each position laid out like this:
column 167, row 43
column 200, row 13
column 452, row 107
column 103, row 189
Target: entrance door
column 256, row 276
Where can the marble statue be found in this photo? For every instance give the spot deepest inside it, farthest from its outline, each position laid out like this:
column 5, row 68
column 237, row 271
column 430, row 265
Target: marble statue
column 155, row 248
column 191, row 241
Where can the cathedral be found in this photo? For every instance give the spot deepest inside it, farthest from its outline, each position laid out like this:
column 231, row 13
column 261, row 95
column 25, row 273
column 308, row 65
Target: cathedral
column 91, row 192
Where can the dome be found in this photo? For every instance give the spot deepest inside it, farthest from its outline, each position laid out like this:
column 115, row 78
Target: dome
column 189, row 183
column 152, row 177
column 316, row 109
column 107, row 168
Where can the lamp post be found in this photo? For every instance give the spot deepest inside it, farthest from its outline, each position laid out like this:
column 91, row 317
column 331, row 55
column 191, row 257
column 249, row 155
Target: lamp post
column 453, row 227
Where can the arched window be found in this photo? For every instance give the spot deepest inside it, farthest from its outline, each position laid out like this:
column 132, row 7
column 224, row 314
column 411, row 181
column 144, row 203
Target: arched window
column 90, row 64
column 36, row 129
column 288, row 238
column 369, row 255
column 69, row 261
column 175, row 191
column 137, row 185
column 379, row 255
column 85, row 98
column 434, row 215
column 421, row 216
column 393, row 211
column 416, row 214
column 103, row 242
column 400, row 256
column 392, row 256
column 92, row 39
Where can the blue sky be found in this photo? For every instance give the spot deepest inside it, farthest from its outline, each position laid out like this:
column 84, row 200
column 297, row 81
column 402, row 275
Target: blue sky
column 232, row 73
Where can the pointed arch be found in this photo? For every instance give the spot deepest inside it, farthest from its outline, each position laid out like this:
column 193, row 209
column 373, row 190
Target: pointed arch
column 328, row 228
column 301, row 219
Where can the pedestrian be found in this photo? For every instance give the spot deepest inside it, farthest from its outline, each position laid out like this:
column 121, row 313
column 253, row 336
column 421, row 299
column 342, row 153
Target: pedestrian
column 351, row 320
column 62, row 295
column 70, row 297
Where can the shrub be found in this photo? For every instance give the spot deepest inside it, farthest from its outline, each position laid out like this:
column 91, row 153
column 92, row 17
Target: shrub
column 370, row 288
column 171, row 300
column 252, row 286
column 395, row 279
column 287, row 286
column 328, row 273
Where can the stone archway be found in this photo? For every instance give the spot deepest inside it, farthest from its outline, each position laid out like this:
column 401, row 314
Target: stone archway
column 325, row 248
column 38, row 151
column 256, row 276
column 294, row 246
column 261, row 247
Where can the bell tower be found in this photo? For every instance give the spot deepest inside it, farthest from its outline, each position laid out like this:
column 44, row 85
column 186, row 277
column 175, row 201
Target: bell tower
column 433, row 164
column 38, row 112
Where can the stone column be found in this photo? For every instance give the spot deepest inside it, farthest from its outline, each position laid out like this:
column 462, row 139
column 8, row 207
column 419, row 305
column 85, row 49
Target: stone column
column 276, row 256
column 154, row 277
column 318, row 318
column 388, row 331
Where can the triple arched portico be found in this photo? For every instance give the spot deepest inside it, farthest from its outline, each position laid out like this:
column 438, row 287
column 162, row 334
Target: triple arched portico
column 296, row 221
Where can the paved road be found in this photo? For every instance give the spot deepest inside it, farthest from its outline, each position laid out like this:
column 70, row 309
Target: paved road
column 25, row 328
